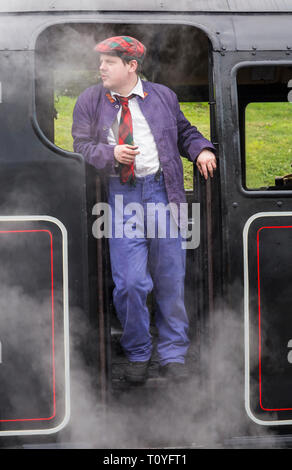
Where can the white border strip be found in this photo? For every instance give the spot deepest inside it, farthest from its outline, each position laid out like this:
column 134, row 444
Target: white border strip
column 66, row 324
column 246, row 317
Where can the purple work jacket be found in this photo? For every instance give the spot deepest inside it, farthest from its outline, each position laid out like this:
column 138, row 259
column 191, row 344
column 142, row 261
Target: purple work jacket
column 95, row 112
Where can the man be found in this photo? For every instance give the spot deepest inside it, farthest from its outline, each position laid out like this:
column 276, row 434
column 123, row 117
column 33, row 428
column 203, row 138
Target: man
column 134, row 131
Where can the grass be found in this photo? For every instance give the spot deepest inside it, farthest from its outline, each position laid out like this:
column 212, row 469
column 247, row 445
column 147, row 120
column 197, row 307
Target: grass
column 268, row 137
column 64, row 106
column 198, row 115
column 268, row 143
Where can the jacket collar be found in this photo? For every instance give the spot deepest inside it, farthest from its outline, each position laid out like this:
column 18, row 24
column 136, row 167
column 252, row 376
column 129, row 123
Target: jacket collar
column 112, row 100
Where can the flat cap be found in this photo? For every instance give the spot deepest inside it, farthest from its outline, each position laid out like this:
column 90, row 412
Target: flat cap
column 125, row 46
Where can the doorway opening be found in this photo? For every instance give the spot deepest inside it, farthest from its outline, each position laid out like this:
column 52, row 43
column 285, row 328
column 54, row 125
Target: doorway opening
column 178, row 56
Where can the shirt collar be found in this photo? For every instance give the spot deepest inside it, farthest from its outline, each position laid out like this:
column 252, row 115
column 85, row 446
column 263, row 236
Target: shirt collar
column 137, row 90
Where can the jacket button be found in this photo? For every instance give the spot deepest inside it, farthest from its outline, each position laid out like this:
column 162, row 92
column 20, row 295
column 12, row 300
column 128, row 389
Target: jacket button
column 116, row 106
column 104, row 128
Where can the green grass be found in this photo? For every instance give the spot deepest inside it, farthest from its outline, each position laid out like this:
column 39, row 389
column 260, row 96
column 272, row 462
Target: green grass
column 198, row 115
column 64, row 106
column 268, row 137
column 268, row 143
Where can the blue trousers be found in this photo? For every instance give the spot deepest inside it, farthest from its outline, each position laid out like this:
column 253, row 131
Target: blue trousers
column 141, row 263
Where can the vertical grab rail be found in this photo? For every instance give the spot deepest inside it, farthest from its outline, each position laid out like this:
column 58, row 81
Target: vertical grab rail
column 212, row 104
column 101, row 312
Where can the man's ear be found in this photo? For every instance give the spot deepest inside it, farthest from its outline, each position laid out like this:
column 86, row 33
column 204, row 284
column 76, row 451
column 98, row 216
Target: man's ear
column 133, row 65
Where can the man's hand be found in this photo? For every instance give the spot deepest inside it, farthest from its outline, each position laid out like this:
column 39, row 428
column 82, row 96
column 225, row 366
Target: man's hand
column 206, row 163
column 125, row 153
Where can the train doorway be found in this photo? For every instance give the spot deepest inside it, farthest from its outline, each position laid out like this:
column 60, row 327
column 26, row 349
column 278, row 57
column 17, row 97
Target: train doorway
column 179, row 57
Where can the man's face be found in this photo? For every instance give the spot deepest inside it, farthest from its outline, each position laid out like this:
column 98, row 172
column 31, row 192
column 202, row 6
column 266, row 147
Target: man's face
column 115, row 74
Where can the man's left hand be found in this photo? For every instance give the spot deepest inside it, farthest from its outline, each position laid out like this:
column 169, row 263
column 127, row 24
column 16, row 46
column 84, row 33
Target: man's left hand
column 206, row 163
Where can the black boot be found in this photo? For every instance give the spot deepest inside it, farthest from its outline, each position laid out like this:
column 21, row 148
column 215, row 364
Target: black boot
column 136, row 372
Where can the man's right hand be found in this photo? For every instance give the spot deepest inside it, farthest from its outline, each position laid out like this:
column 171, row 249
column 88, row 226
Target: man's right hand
column 125, row 153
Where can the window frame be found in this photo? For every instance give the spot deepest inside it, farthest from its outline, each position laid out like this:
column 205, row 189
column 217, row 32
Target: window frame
column 258, row 193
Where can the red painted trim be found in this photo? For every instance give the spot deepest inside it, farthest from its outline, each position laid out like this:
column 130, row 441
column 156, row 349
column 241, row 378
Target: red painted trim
column 53, row 330
column 259, row 319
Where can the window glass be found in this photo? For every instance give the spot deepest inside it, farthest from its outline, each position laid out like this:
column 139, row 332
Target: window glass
column 265, row 116
column 268, row 141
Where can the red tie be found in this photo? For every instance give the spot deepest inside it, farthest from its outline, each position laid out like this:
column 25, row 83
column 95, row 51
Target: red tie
column 127, row 174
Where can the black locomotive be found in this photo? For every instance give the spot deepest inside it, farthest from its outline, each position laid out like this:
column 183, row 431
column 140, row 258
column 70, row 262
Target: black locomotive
column 61, row 364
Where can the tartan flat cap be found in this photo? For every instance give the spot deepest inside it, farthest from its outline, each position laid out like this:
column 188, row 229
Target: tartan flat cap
column 125, row 46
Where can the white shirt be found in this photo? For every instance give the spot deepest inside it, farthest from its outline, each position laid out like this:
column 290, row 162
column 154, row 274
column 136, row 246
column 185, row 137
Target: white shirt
column 147, row 161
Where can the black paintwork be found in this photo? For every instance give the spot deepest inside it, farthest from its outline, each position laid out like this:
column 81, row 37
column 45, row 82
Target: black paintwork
column 37, row 178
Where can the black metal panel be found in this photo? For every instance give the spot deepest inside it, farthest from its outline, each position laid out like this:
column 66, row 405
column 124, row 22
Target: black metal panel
column 268, row 316
column 38, row 179
column 152, row 5
column 268, row 31
column 265, row 32
column 238, row 206
column 32, row 319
